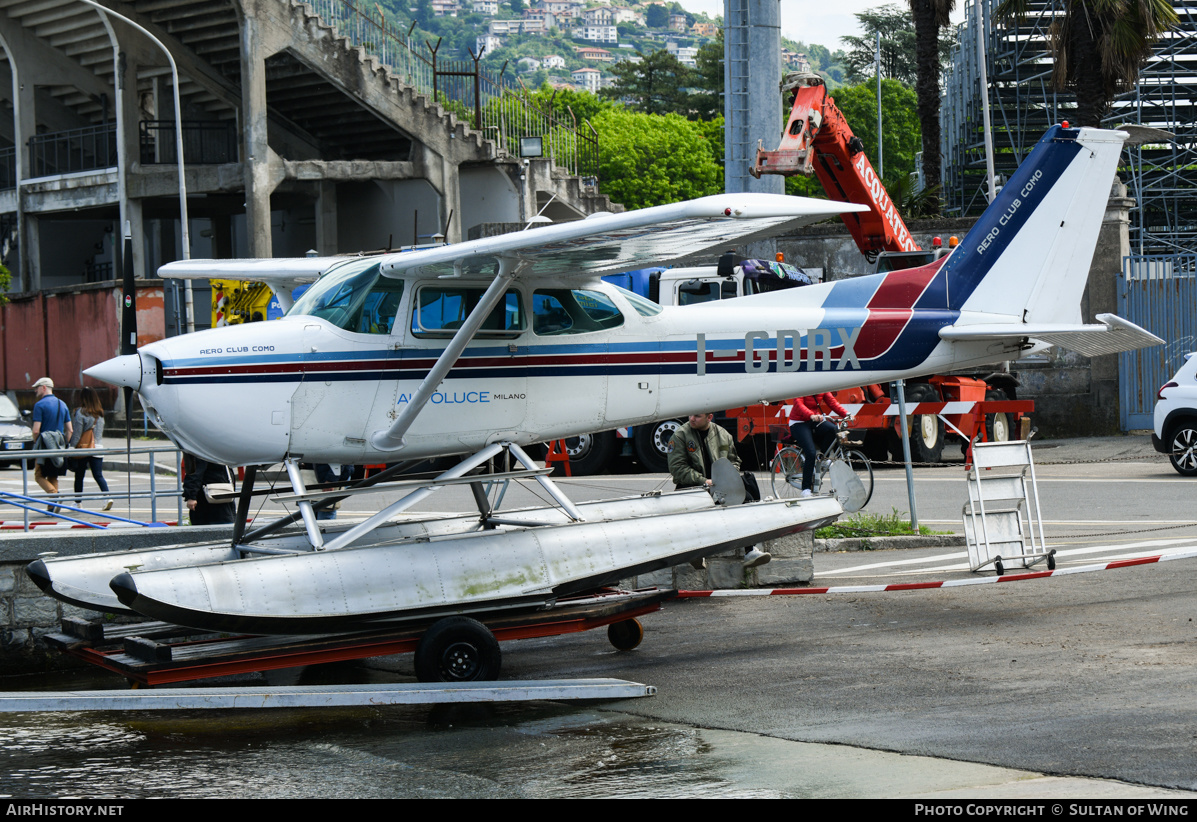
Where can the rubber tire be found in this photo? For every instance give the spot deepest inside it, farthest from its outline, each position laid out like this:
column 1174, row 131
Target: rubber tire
column 997, row 426
column 1051, row 561
column 590, row 453
column 458, row 649
column 625, row 635
column 651, row 444
column 864, row 471
column 1183, row 436
column 997, row 566
column 788, row 462
column 927, row 432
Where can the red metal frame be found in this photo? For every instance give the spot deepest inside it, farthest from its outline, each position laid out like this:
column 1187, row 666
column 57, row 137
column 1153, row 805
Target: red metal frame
column 566, row 619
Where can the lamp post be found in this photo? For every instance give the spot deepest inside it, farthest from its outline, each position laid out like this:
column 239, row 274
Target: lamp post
column 174, row 73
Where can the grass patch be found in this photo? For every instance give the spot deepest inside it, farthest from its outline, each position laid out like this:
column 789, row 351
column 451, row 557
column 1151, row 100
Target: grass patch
column 874, row 525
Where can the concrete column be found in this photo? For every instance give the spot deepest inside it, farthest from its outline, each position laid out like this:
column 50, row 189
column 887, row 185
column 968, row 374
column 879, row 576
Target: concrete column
column 25, row 125
column 450, row 201
column 256, row 150
column 752, row 70
column 326, row 218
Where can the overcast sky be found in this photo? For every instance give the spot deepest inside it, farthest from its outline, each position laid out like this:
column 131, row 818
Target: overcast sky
column 814, row 21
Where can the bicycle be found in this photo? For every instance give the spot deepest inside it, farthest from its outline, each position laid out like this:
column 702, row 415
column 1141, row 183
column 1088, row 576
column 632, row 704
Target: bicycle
column 786, row 468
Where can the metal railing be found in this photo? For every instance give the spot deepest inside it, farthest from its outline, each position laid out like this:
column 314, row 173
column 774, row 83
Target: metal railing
column 493, row 101
column 205, row 142
column 68, row 502
column 80, row 149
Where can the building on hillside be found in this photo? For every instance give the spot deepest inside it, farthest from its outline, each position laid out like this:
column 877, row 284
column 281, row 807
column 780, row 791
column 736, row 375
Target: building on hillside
column 598, row 17
column 487, row 7
column 587, row 78
column 597, row 34
column 445, row 8
column 487, row 43
column 553, row 61
column 502, row 28
column 596, row 54
column 528, row 64
column 677, row 22
column 705, row 30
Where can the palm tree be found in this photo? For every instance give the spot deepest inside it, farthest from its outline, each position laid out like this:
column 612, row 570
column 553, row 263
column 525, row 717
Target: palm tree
column 1097, row 47
column 929, row 16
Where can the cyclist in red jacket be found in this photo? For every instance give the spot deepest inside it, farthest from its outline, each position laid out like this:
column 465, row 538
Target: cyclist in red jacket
column 812, row 431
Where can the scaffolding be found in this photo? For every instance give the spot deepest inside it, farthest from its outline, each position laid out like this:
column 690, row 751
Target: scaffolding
column 1023, row 104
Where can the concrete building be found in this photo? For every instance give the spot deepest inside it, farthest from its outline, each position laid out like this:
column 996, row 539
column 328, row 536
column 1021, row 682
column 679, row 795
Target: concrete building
column 294, row 139
column 597, row 34
column 588, row 78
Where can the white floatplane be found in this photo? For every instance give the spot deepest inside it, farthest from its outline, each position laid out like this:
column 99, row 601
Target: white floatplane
column 486, row 346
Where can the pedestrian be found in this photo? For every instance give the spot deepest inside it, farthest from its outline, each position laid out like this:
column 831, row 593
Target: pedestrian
column 813, row 431
column 203, row 478
column 331, row 473
column 88, row 425
column 693, row 449
column 51, row 430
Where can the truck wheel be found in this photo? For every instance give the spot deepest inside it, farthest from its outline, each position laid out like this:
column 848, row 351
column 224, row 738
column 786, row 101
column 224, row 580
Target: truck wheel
column 651, row 443
column 590, row 453
column 458, row 649
column 997, row 426
column 926, row 430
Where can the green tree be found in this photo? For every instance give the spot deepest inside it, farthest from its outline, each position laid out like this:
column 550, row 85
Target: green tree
column 1098, row 46
column 656, row 17
column 583, row 104
column 517, row 6
column 929, row 17
column 651, row 160
column 894, row 25
column 655, row 85
column 707, row 101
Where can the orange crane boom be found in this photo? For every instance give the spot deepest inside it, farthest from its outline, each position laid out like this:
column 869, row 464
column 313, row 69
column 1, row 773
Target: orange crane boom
column 818, row 139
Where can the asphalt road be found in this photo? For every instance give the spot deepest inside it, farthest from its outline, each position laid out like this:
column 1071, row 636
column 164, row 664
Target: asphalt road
column 1085, row 674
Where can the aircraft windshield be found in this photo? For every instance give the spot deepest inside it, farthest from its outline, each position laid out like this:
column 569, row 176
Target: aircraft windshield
column 644, row 307
column 561, row 311
column 354, row 296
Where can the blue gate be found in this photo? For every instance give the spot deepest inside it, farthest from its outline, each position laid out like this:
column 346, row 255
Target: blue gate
column 1159, row 293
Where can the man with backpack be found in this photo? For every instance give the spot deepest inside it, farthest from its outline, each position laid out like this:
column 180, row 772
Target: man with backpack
column 51, row 430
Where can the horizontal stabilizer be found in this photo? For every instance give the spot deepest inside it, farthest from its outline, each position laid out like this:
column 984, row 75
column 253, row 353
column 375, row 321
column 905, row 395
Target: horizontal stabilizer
column 1110, row 335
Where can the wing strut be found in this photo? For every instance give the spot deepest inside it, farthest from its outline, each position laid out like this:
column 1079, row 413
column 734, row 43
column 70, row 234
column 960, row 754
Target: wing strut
column 392, row 438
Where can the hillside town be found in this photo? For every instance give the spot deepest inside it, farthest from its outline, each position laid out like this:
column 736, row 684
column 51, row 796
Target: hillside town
column 571, row 44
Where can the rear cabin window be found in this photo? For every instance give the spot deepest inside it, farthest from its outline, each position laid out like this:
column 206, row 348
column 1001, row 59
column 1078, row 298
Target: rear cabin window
column 565, row 311
column 441, row 310
column 355, row 297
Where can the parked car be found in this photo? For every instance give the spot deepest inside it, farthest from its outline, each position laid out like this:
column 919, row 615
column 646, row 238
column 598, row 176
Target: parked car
column 1175, row 431
column 16, row 433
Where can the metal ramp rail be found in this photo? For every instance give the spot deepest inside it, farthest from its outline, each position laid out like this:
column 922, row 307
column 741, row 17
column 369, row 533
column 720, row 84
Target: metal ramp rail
column 1002, row 520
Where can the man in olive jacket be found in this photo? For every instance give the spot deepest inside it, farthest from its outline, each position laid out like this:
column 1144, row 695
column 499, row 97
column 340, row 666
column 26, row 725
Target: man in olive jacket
column 693, row 449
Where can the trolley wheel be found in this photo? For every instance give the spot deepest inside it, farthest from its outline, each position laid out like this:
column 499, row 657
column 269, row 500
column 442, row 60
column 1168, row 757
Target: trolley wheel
column 458, row 649
column 997, row 566
column 625, row 635
column 1051, row 560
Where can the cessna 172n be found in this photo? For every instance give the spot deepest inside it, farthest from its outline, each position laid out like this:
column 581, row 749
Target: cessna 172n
column 497, row 343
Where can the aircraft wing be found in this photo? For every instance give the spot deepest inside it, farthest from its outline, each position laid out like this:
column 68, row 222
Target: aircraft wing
column 609, row 243
column 1110, row 335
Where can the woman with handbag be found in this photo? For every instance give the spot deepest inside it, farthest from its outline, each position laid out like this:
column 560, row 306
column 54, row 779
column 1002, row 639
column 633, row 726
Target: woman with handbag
column 88, row 432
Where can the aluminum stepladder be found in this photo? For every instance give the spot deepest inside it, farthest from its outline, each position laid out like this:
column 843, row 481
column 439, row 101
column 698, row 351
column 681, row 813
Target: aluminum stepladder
column 1002, row 519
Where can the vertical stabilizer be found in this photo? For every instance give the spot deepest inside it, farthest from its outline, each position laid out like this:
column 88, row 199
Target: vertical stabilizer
column 1029, row 255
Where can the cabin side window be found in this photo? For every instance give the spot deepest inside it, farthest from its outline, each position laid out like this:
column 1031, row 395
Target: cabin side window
column 441, row 310
column 355, row 297
column 564, row 311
